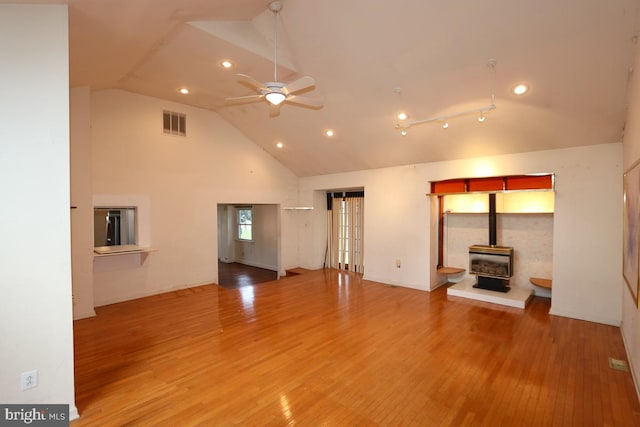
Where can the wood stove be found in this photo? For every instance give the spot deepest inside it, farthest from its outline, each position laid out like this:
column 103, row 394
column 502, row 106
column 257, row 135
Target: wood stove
column 493, row 266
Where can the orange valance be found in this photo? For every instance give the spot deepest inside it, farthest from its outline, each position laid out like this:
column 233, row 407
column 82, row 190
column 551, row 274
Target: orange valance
column 493, row 184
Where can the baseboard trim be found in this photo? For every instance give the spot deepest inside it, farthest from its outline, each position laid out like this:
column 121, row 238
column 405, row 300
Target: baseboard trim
column 73, row 413
column 437, row 285
column 579, row 316
column 257, row 265
column 139, row 295
column 394, row 283
column 84, row 315
column 634, row 376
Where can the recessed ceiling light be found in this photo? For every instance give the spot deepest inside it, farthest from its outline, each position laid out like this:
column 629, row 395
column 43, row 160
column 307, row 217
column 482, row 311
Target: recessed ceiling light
column 329, row 133
column 280, row 145
column 225, row 63
column 402, row 116
column 184, row 90
column 521, row 89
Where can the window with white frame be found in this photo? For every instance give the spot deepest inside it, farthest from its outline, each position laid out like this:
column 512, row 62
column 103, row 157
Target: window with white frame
column 245, row 223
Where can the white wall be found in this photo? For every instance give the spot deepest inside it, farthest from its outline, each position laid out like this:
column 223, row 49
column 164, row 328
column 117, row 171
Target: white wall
column 81, row 199
column 586, row 224
column 587, row 255
column 35, row 278
column 631, row 315
column 183, row 180
column 225, row 233
column 394, row 213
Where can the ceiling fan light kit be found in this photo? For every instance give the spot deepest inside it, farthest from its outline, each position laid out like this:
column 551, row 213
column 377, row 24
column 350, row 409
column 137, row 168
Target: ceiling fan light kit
column 276, row 92
column 444, row 120
column 275, row 98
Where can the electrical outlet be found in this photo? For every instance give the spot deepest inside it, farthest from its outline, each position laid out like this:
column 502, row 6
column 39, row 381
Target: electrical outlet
column 29, row 380
column 398, row 263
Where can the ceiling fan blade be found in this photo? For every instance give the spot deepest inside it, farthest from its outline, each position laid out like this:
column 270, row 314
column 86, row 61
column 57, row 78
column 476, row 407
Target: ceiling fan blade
column 300, row 84
column 253, row 82
column 303, row 100
column 243, row 99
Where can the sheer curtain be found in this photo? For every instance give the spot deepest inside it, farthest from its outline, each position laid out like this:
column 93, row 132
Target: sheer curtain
column 345, row 225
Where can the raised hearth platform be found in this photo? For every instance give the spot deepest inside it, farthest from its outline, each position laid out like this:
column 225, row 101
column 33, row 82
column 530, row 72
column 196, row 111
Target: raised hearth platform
column 517, row 297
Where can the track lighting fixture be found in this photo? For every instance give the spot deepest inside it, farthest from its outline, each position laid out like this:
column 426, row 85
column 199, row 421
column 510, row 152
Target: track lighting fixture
column 444, row 119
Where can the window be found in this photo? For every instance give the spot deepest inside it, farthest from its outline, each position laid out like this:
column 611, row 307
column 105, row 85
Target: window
column 245, row 223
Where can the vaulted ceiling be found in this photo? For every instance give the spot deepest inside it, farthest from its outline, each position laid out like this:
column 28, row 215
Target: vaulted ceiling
column 370, row 59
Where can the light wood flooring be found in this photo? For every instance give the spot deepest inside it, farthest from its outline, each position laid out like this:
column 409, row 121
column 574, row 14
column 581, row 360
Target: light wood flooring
column 328, row 348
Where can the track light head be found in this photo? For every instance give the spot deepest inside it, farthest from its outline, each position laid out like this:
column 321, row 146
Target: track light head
column 443, row 119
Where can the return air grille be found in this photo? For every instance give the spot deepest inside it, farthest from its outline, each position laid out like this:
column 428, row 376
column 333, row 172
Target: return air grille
column 174, row 123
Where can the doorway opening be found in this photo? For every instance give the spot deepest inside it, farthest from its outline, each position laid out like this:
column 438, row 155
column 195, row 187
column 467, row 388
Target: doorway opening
column 345, row 226
column 248, row 243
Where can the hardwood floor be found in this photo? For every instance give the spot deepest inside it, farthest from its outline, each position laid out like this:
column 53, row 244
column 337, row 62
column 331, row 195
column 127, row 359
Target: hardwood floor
column 234, row 275
column 328, row 348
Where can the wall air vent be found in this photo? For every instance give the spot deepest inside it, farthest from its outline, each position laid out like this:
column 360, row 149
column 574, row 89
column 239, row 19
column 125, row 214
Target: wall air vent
column 174, row 123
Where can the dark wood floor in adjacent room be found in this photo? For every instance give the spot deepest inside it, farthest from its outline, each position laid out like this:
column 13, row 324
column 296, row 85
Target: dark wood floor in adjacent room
column 328, row 348
column 235, row 275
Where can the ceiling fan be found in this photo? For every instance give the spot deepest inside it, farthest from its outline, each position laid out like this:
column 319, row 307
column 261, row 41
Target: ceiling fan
column 276, row 92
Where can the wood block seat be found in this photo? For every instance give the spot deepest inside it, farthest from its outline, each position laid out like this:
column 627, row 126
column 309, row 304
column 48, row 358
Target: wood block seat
column 543, row 283
column 450, row 270
column 454, row 274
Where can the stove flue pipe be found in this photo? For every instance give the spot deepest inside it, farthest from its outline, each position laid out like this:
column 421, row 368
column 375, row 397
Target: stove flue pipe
column 492, row 219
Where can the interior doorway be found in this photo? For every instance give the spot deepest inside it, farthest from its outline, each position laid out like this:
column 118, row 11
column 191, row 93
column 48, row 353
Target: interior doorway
column 249, row 239
column 345, row 227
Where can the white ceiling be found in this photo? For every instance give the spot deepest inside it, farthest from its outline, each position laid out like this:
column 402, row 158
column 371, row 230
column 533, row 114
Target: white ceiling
column 575, row 54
